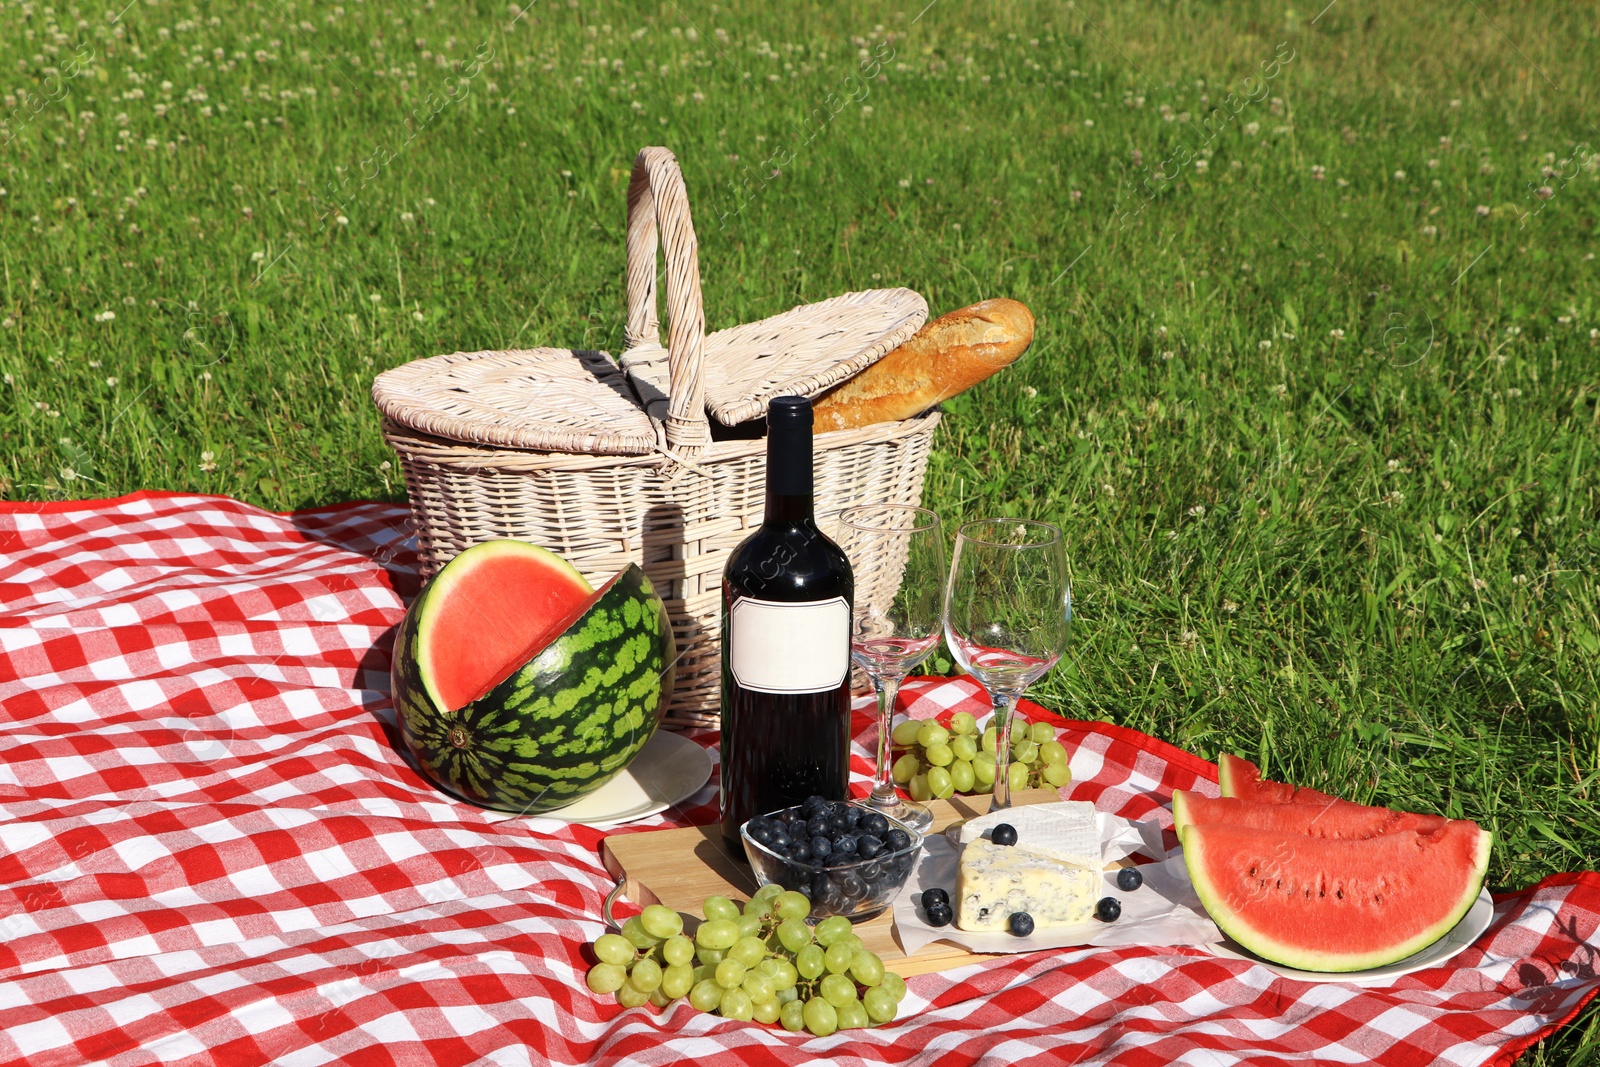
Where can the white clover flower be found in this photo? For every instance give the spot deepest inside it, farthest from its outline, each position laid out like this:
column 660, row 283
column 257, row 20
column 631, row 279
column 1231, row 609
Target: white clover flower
column 406, row 216
column 68, row 474
column 1198, row 511
column 6, row 324
column 419, row 316
column 208, row 461
column 112, row 382
column 341, row 220
column 1264, row 344
column 376, row 298
column 105, row 316
column 1483, row 211
column 1399, row 175
column 1168, row 354
column 1336, row 334
column 1202, row 165
column 257, row 257
column 1252, row 128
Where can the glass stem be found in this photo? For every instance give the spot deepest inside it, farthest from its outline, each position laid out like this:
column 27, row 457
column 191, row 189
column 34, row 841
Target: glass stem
column 1002, row 749
column 888, row 687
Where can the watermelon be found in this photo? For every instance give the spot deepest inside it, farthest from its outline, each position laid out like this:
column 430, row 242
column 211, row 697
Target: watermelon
column 1323, row 884
column 1335, row 904
column 524, row 697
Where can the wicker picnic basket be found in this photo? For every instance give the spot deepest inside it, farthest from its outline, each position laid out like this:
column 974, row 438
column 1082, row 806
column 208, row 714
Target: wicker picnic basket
column 609, row 464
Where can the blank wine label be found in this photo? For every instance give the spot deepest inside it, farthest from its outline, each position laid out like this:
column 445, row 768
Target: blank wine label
column 789, row 648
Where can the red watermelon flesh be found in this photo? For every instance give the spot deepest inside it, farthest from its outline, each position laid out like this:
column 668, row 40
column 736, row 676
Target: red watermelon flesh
column 514, row 598
column 1242, row 779
column 1335, row 819
column 1335, row 904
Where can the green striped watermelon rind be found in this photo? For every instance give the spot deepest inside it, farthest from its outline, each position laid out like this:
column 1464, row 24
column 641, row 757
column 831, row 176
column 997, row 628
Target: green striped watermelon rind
column 1238, row 927
column 562, row 725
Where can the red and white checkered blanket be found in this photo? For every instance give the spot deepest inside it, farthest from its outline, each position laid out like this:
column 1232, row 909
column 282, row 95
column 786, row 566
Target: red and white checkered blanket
column 211, row 852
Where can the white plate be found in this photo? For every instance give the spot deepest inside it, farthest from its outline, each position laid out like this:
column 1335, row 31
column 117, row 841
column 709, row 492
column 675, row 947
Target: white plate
column 668, row 769
column 1464, row 933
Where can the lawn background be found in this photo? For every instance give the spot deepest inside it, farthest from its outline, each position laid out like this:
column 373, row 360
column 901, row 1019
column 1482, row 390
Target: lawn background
column 1314, row 392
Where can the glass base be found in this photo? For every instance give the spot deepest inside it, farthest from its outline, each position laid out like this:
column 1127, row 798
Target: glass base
column 907, row 812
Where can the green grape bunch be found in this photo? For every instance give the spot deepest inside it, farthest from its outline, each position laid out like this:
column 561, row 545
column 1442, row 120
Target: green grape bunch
column 758, row 962
column 938, row 761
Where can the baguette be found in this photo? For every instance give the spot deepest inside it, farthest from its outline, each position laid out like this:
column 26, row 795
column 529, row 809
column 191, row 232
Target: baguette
column 947, row 356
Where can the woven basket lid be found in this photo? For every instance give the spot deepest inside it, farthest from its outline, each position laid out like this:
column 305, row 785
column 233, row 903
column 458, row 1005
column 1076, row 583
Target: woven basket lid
column 550, row 399
column 801, row 352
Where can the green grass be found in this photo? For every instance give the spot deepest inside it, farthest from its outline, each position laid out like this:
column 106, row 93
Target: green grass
column 1366, row 560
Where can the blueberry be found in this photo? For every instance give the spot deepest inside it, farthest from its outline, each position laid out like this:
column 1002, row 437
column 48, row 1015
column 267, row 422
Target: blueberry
column 874, row 824
column 800, row 851
column 844, row 845
column 898, row 840
column 1003, row 834
column 1020, row 923
column 1108, row 910
column 852, row 886
column 940, row 914
column 819, row 825
column 813, row 805
column 821, row 848
column 852, row 816
column 931, row 897
column 868, row 846
column 872, row 872
column 1129, row 879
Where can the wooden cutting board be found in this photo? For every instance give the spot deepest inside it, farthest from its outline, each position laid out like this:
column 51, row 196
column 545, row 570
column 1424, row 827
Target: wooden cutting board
column 680, row 868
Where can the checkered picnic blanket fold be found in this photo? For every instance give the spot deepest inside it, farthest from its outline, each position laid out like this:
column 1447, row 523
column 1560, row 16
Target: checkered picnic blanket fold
column 210, row 851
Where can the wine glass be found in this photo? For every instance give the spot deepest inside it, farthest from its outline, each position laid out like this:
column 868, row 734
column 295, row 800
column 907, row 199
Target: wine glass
column 894, row 549
column 1007, row 612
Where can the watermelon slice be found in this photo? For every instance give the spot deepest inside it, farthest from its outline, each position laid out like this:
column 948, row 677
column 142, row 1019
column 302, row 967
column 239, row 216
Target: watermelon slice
column 512, row 598
column 1242, row 779
column 1335, row 819
column 1335, row 904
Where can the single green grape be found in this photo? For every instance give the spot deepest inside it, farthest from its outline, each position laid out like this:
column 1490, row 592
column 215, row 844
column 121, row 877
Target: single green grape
column 894, row 984
column 931, row 733
column 963, row 748
column 702, row 972
column 659, row 998
column 961, row 776
column 791, row 905
column 677, row 949
column 613, row 948
column 793, row 1016
column 1027, row 752
column 760, row 988
column 983, row 769
column 749, row 926
column 768, row 1013
column 730, row 973
column 710, row 957
column 1056, row 774
column 748, row 951
column 788, row 994
column 761, row 909
column 786, row 976
column 838, row 958
column 1017, row 775
column 831, row 929
column 810, row 961
column 962, row 724
column 905, row 731
column 646, row 975
column 677, row 980
column 631, row 996
column 867, row 968
column 717, row 933
column 736, row 1004
column 852, row 1015
column 637, row 936
column 706, row 995
column 794, row 934
column 939, row 755
column 919, row 789
column 1052, row 752
column 880, row 1004
column 770, row 891
column 1040, row 732
column 820, row 1017
column 851, row 939
column 660, row 921
column 606, row 977
column 989, row 739
column 940, row 783
column 905, row 768
column 837, row 989
column 719, row 908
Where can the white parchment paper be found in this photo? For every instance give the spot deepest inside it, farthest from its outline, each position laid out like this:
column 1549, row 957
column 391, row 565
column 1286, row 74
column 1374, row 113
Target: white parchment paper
column 1163, row 911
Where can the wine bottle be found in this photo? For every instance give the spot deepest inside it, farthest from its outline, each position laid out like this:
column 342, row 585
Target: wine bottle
column 787, row 592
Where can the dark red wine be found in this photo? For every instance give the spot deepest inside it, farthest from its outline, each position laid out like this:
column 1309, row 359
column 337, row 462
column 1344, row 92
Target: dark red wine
column 787, row 592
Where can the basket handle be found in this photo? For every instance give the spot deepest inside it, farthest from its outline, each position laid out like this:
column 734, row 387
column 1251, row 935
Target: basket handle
column 657, row 198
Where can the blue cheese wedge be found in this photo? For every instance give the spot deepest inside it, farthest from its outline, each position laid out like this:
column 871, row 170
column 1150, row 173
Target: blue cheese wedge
column 998, row 880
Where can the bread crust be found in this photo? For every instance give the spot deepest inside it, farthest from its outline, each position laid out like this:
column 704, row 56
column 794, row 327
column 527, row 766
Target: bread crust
column 947, row 356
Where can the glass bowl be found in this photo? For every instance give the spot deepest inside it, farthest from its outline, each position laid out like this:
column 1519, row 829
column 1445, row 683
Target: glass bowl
column 857, row 889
